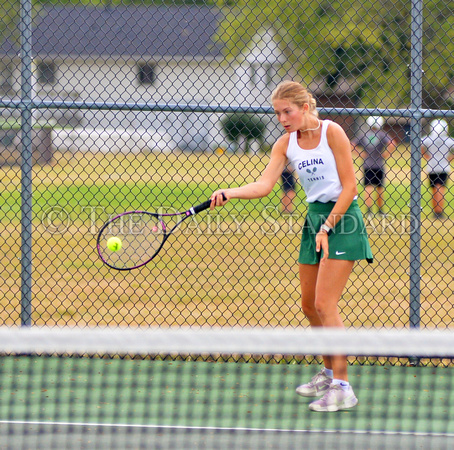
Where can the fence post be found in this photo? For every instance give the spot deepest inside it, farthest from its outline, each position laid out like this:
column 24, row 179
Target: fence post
column 26, row 163
column 415, row 139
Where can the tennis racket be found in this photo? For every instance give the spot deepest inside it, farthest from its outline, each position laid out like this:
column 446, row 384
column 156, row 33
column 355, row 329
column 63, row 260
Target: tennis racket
column 140, row 235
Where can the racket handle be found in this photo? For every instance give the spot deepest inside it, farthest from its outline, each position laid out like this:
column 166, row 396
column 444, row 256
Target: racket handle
column 205, row 205
column 201, row 207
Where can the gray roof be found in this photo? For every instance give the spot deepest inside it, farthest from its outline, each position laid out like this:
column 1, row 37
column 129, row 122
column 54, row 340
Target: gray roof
column 154, row 31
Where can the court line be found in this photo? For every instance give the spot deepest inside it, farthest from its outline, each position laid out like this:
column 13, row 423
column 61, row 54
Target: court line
column 231, row 429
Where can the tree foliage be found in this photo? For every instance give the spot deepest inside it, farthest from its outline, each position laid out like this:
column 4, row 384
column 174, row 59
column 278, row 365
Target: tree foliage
column 238, row 125
column 121, row 2
column 9, row 18
column 364, row 42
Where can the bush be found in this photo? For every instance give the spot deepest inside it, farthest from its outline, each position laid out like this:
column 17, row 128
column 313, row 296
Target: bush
column 248, row 126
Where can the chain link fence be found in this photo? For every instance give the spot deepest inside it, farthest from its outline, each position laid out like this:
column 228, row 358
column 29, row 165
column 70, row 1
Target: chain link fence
column 108, row 106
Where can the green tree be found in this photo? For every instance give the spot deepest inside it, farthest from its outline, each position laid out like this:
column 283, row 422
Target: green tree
column 9, row 18
column 240, row 125
column 366, row 42
column 438, row 52
column 120, row 2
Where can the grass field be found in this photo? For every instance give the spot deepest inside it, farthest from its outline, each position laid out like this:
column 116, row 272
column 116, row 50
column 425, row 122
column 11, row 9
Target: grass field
column 235, row 266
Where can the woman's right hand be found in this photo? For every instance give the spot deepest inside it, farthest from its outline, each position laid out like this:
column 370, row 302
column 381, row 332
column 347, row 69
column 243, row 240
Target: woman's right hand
column 219, row 198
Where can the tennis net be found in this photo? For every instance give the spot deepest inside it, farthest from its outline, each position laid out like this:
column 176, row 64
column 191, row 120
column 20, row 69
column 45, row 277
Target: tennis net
column 221, row 388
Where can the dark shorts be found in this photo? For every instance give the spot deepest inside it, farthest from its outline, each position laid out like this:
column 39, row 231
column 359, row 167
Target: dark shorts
column 348, row 241
column 438, row 179
column 374, row 177
column 288, row 181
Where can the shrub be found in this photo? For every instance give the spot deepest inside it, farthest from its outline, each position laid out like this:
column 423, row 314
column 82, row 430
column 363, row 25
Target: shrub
column 248, row 126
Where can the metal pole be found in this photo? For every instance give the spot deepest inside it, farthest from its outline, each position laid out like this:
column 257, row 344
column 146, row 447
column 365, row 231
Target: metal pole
column 415, row 139
column 26, row 162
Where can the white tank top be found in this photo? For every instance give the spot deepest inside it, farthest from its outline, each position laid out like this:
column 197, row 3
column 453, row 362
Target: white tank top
column 316, row 168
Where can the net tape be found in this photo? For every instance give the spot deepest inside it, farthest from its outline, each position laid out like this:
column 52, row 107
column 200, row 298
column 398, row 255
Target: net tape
column 327, row 341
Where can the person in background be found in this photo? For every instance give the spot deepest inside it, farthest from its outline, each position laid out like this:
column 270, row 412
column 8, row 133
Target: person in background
column 437, row 148
column 376, row 146
column 288, row 191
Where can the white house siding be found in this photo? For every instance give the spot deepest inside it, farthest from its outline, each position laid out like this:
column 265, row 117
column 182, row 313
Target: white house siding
column 176, row 82
column 190, row 80
column 194, row 82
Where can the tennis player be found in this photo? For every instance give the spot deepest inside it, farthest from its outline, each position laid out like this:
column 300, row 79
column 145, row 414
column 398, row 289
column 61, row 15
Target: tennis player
column 333, row 236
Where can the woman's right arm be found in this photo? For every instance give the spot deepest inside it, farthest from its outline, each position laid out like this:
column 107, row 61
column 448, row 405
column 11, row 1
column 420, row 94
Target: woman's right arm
column 264, row 185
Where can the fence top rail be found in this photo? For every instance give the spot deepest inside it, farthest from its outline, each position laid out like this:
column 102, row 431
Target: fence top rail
column 225, row 109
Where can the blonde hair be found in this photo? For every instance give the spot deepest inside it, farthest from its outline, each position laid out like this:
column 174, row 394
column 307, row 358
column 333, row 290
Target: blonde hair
column 296, row 94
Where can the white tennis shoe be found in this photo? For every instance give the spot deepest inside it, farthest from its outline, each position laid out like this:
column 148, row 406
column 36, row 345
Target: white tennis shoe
column 335, row 399
column 316, row 387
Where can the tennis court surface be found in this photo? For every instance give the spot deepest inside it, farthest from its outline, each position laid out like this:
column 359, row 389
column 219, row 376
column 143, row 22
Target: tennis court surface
column 95, row 388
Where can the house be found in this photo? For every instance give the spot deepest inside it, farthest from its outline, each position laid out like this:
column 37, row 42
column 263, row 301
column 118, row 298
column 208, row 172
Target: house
column 154, row 54
column 126, row 54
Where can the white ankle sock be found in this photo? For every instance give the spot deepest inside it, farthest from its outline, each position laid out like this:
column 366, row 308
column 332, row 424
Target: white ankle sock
column 329, row 372
column 342, row 383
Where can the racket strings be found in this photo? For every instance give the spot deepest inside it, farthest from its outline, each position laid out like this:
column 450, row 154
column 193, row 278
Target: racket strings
column 141, row 235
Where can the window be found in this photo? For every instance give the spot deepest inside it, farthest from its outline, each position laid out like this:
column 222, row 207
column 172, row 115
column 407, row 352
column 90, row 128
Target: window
column 46, row 73
column 147, row 74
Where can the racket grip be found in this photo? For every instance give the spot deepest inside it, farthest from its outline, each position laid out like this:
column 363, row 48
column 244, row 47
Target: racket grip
column 205, row 205
column 202, row 206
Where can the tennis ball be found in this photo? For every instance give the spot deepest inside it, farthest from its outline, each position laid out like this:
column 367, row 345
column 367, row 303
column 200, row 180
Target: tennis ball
column 114, row 244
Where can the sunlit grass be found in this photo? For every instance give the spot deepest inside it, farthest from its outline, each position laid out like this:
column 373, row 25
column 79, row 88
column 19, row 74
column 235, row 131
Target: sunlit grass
column 234, row 266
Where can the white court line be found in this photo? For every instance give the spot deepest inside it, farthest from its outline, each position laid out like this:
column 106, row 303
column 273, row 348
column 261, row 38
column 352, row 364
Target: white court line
column 231, row 429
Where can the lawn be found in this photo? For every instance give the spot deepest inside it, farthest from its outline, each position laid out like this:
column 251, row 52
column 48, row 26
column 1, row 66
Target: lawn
column 233, row 266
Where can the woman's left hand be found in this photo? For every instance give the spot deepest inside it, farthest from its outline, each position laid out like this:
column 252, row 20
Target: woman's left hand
column 321, row 243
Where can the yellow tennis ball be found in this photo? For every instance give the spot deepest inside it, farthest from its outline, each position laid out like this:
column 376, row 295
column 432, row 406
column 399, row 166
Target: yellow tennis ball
column 114, row 244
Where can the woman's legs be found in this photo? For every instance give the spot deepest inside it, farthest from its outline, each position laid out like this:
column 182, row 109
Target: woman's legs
column 438, row 196
column 368, row 196
column 321, row 288
column 308, row 281
column 331, row 281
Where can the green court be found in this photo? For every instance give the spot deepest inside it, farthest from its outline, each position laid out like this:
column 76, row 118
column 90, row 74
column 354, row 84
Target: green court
column 181, row 404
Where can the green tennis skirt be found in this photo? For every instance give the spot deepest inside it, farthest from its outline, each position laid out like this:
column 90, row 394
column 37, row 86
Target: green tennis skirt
column 348, row 241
